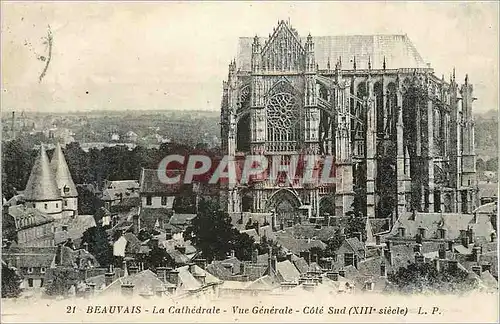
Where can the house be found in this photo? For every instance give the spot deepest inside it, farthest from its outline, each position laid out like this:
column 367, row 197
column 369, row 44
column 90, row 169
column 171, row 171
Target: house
column 128, row 245
column 488, row 192
column 72, row 228
column 157, row 199
column 31, row 262
column 117, row 192
column 295, row 245
column 440, row 226
column 27, row 226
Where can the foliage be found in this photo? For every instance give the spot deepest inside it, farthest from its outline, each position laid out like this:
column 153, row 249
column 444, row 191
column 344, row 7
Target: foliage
column 418, row 278
column 98, row 245
column 61, row 280
column 212, row 233
column 11, row 282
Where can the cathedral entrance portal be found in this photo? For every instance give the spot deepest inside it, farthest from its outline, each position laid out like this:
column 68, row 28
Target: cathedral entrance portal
column 285, row 204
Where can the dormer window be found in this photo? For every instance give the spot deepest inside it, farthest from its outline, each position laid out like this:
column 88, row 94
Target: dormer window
column 442, row 233
column 46, row 206
column 43, row 270
column 369, row 286
column 401, row 231
column 66, row 189
column 30, row 270
column 149, row 200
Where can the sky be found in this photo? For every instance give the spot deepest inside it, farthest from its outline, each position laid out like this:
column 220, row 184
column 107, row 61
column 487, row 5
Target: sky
column 173, row 55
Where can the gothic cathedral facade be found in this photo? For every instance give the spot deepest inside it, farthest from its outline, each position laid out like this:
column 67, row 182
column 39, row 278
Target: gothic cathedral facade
column 402, row 138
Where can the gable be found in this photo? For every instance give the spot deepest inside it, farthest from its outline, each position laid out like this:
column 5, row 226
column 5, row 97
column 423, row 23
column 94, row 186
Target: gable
column 283, row 51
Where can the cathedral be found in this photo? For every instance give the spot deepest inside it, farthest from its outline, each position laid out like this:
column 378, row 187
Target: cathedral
column 402, row 137
column 50, row 187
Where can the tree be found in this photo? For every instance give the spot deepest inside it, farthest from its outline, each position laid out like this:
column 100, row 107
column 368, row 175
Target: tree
column 418, row 278
column 212, row 233
column 98, row 245
column 11, row 282
column 61, row 280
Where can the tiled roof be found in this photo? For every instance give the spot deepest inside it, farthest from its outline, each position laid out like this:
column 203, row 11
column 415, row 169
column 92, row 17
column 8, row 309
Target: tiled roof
column 300, row 264
column 76, row 227
column 287, row 271
column 123, row 185
column 177, row 256
column 255, row 270
column 28, row 217
column 252, row 233
column 488, row 189
column 149, row 216
column 263, row 283
column 26, row 257
column 309, row 231
column 398, row 51
column 189, row 282
column 298, row 245
column 489, row 208
column 41, row 183
column 181, row 219
column 62, row 175
column 144, row 282
column 219, row 271
column 451, row 222
column 151, row 184
column 133, row 243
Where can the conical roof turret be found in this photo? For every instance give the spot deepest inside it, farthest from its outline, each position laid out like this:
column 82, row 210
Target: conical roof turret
column 41, row 184
column 62, row 175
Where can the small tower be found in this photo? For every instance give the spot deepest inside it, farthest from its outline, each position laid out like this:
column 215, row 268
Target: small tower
column 64, row 183
column 310, row 59
column 41, row 190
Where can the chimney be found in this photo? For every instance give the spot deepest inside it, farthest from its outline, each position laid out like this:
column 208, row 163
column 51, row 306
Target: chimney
column 306, row 255
column 493, row 236
column 86, row 246
column 418, row 238
column 282, row 226
column 377, row 239
column 127, row 289
column 161, row 273
column 465, row 241
column 383, row 269
column 477, row 270
column 242, row 268
column 232, row 253
column 442, row 252
column 192, row 268
column 356, row 261
column 452, row 265
column 133, row 270
column 450, row 246
column 342, row 273
column 419, row 258
column 437, row 264
column 417, row 248
column 289, row 257
column 274, row 262
column 388, row 245
column 136, row 225
column 159, row 291
column 388, row 256
column 109, row 277
column 470, row 235
column 476, row 253
column 316, row 259
column 255, row 254
column 173, row 276
column 91, row 287
column 486, row 267
column 202, row 263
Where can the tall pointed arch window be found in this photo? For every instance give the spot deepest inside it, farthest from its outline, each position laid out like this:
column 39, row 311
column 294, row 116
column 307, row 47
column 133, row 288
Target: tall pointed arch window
column 283, row 118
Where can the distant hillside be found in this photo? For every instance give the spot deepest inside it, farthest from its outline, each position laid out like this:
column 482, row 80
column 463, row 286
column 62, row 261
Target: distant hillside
column 486, row 134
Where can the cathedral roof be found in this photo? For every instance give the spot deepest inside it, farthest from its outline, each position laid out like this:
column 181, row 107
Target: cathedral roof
column 41, row 183
column 62, row 174
column 398, row 50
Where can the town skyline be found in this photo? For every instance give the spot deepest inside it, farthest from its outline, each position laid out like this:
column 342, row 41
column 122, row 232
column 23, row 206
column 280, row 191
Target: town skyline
column 161, row 67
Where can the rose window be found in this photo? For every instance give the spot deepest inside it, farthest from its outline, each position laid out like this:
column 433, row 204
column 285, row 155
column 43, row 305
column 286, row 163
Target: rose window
column 282, row 112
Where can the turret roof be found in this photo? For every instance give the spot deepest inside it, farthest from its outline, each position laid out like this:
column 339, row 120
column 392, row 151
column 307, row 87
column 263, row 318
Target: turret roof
column 62, row 175
column 41, row 184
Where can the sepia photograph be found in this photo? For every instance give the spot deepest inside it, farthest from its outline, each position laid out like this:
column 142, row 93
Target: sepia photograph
column 249, row 161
